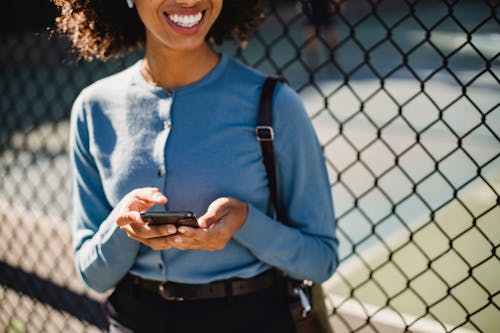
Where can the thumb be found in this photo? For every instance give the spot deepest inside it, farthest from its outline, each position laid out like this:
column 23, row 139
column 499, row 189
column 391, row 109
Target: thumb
column 128, row 218
column 215, row 212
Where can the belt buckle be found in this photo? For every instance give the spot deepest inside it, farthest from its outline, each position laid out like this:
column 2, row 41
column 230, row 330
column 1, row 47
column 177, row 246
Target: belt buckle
column 165, row 294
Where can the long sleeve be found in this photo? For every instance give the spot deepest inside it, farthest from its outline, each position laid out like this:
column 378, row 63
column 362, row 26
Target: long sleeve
column 307, row 249
column 103, row 252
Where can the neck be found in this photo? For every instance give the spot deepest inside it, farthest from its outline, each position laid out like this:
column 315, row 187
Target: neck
column 174, row 69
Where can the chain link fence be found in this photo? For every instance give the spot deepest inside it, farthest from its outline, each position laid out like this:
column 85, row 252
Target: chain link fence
column 404, row 96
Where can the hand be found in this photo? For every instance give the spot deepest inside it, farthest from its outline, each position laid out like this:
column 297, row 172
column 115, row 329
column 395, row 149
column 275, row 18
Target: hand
column 224, row 217
column 130, row 221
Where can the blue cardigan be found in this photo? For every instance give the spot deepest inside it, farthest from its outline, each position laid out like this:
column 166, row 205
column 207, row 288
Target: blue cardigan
column 197, row 143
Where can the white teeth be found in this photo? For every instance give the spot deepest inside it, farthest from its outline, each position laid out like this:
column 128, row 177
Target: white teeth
column 186, row 21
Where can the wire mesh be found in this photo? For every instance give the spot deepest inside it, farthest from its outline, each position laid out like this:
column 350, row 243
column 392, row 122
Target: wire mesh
column 404, row 98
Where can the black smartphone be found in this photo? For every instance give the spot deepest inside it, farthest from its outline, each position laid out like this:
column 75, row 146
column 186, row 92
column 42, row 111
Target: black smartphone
column 177, row 218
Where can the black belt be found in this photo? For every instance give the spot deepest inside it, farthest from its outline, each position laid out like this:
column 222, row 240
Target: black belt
column 173, row 291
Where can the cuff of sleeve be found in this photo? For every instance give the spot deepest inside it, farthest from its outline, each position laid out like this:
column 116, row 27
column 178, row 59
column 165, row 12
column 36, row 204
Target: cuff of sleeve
column 259, row 231
column 103, row 260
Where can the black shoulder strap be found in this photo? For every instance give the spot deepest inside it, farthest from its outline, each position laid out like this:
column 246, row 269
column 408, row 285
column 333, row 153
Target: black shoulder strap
column 265, row 134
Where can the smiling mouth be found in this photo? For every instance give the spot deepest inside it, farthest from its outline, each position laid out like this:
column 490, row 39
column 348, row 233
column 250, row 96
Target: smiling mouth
column 185, row 21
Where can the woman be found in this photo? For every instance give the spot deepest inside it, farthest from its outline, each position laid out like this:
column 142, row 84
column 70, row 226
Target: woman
column 176, row 131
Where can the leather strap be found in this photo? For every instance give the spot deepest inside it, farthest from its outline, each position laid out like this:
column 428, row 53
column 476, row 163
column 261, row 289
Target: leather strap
column 173, row 291
column 265, row 134
column 298, row 308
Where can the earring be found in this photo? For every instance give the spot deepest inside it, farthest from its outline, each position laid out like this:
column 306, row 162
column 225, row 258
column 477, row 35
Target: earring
column 130, row 3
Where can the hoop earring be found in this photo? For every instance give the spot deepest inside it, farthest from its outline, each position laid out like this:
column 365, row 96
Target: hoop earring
column 130, row 3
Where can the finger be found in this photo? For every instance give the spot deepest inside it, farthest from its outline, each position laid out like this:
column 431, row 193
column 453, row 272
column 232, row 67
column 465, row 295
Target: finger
column 200, row 239
column 139, row 233
column 191, row 236
column 182, row 242
column 128, row 218
column 149, row 195
column 158, row 243
column 166, row 242
column 147, row 231
column 189, row 232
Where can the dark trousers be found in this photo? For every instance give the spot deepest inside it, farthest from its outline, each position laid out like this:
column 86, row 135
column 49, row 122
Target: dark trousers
column 132, row 309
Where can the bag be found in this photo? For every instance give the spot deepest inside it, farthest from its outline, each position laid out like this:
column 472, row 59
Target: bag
column 314, row 321
column 306, row 299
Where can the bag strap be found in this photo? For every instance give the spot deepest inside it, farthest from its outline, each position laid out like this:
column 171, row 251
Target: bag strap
column 265, row 135
column 301, row 291
column 297, row 289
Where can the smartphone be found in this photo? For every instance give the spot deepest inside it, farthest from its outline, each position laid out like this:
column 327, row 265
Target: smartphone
column 177, row 218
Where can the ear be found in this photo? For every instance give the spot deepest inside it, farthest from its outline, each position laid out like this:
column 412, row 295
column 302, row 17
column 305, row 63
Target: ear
column 130, row 3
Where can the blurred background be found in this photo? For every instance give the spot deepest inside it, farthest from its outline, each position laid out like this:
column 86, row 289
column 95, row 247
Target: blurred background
column 404, row 96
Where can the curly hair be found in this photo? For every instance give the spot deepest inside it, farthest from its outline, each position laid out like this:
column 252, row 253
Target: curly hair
column 102, row 29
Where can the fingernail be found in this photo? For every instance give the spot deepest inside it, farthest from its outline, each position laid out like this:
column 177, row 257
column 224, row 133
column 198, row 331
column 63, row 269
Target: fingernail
column 171, row 230
column 177, row 239
column 181, row 230
column 158, row 197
